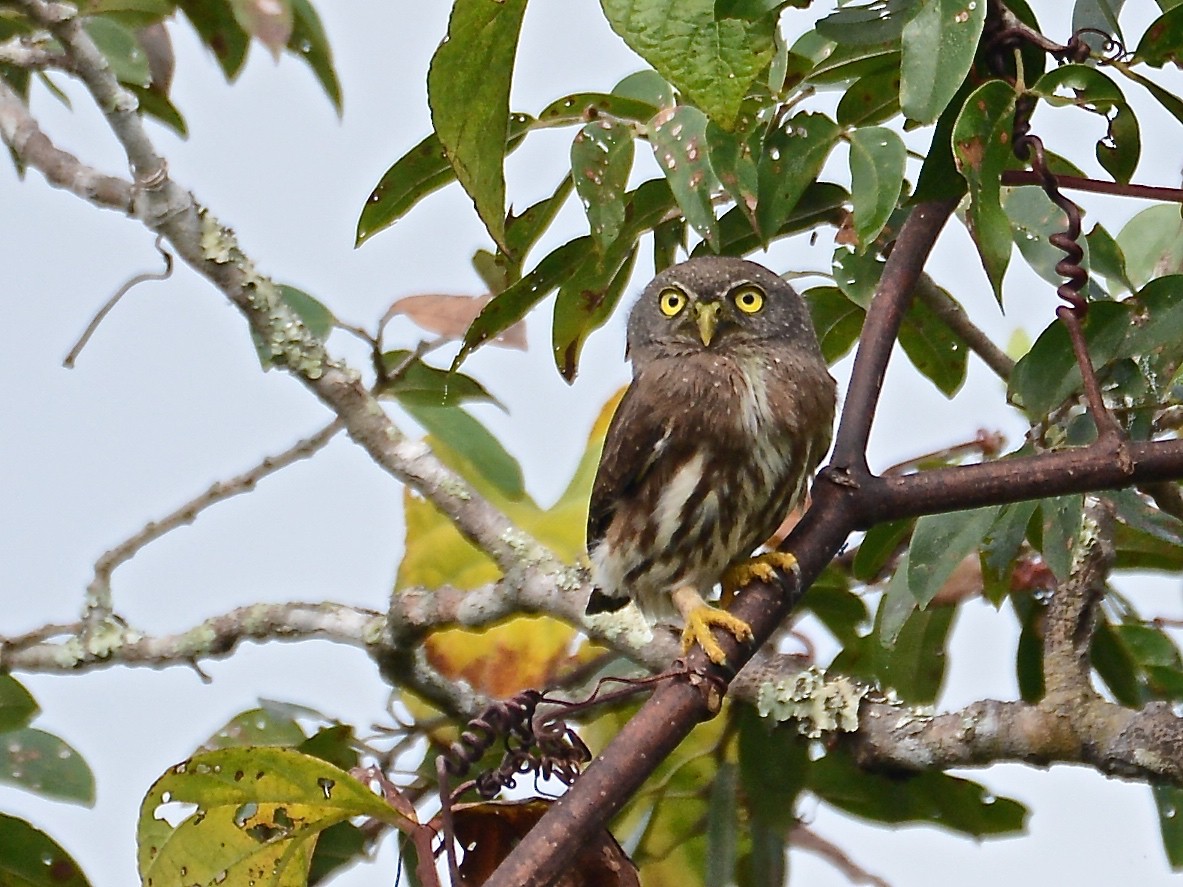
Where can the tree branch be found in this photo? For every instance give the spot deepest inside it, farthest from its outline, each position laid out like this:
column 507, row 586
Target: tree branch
column 954, row 317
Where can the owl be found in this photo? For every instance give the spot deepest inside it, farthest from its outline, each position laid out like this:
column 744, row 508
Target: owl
column 729, row 411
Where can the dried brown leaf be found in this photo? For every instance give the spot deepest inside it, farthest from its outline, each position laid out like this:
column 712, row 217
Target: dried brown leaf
column 449, row 316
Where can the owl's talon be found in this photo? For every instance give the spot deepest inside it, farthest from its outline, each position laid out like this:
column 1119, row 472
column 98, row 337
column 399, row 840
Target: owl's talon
column 700, row 617
column 762, row 566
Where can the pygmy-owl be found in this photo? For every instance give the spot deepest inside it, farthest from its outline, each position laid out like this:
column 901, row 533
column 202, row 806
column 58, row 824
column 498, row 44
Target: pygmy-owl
column 729, row 412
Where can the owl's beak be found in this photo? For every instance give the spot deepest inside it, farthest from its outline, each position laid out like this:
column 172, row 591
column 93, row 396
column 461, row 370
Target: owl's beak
column 707, row 316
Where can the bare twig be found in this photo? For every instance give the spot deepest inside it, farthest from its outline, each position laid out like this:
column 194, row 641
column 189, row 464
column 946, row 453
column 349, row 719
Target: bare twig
column 164, row 274
column 805, row 838
column 99, row 605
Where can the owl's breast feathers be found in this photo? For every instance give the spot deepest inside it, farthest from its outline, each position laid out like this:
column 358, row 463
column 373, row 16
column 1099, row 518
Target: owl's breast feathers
column 704, row 457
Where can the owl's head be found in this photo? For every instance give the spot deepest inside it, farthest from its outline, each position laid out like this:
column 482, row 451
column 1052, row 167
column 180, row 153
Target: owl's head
column 717, row 303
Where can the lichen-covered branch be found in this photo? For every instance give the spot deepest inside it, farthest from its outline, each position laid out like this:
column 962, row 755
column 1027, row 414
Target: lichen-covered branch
column 212, row 250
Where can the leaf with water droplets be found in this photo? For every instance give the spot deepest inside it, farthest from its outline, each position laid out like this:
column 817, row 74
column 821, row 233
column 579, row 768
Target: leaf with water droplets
column 310, row 43
column 584, row 303
column 583, row 107
column 229, row 815
column 793, row 155
column 709, row 55
column 468, row 91
column 938, row 43
column 42, row 763
column 734, row 157
column 678, row 137
column 877, row 158
column 33, row 859
column 601, row 160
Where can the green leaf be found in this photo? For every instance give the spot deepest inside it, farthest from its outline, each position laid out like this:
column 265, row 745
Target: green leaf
column 121, row 49
column 734, row 157
column 41, row 762
column 933, row 348
column 1115, row 666
column 1171, row 102
column 841, row 611
column 942, row 541
column 877, row 157
column 939, row 178
column 1089, row 89
column 1002, row 545
column 1100, row 15
column 310, row 43
column 823, row 203
column 982, row 150
column 848, row 62
column 468, row 91
column 601, row 160
column 938, row 43
column 837, row 320
column 511, row 305
column 878, row 21
column 723, row 825
column 224, row 816
column 269, row 724
column 17, row 706
column 1148, row 646
column 153, row 104
column 874, row 98
column 33, row 859
column 1162, row 44
column 585, row 301
column 1062, row 516
column 879, row 546
column 1034, row 218
column 1106, row 257
column 956, row 804
column 793, row 155
column 679, row 144
column 1047, row 374
column 469, row 440
column 646, row 86
column 711, row 58
column 585, row 107
column 523, row 231
column 1029, row 655
column 1169, row 802
column 773, row 761
column 1132, row 510
column 421, row 384
column 218, row 29
column 1153, row 244
column 338, row 846
column 335, row 744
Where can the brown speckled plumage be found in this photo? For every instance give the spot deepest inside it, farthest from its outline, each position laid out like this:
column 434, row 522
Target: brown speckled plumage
column 714, row 442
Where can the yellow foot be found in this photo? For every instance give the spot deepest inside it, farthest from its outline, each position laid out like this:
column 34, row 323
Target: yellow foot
column 700, row 617
column 762, row 566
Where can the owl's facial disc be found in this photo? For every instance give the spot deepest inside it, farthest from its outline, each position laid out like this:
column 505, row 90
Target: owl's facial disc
column 706, row 316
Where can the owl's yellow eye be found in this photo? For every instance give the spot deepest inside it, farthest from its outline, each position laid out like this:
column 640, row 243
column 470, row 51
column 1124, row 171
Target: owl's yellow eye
column 748, row 299
column 671, row 301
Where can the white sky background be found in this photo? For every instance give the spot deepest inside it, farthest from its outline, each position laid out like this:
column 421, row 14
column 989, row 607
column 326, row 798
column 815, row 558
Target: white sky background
column 168, row 397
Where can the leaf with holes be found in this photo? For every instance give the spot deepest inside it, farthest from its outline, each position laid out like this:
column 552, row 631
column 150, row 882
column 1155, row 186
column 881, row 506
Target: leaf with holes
column 939, row 43
column 877, row 157
column 468, row 92
column 982, row 150
column 601, row 160
column 793, row 155
column 707, row 54
column 232, row 814
column 678, row 137
column 1119, row 149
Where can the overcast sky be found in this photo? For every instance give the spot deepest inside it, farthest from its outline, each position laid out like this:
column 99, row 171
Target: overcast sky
column 168, row 397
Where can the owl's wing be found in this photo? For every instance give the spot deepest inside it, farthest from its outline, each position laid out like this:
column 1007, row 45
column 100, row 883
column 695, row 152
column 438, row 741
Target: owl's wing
column 636, row 437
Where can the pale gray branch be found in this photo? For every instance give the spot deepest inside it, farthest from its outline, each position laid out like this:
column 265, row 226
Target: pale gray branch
column 21, row 52
column 99, row 606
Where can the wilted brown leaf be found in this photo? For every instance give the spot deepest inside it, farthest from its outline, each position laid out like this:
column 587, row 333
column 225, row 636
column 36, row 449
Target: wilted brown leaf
column 269, row 20
column 158, row 47
column 450, row 316
column 488, row 831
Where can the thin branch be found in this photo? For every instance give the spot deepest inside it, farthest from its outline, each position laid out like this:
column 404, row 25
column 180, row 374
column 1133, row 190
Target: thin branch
column 804, row 838
column 20, row 132
column 955, row 318
column 145, row 277
column 1016, row 177
column 99, row 606
column 214, row 638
